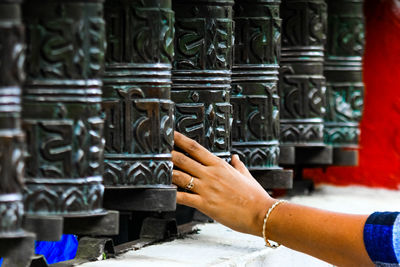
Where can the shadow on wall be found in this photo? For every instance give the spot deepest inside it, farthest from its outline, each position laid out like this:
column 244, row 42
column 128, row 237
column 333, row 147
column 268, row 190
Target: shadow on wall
column 379, row 164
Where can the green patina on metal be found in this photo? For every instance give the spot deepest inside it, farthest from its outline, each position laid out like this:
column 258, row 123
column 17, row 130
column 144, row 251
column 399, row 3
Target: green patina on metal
column 202, row 72
column 302, row 83
column 136, row 98
column 255, row 100
column 62, row 107
column 136, row 93
column 343, row 71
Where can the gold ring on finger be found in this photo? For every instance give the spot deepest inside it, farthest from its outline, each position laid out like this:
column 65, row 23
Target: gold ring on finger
column 190, row 185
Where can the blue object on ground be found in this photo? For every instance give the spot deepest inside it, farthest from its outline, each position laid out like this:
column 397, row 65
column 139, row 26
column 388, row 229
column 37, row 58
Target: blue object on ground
column 57, row 251
column 1, row 261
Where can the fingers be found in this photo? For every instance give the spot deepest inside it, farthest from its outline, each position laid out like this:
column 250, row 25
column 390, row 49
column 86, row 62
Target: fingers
column 239, row 165
column 182, row 179
column 187, row 164
column 187, row 199
column 195, row 150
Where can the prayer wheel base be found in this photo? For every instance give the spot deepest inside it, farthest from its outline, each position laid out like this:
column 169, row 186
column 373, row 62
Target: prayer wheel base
column 51, row 228
column 274, row 178
column 100, row 225
column 158, row 199
column 17, row 251
column 309, row 156
column 46, row 228
column 345, row 156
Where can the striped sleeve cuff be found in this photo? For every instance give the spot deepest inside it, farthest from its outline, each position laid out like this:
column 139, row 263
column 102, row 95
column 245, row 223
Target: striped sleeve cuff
column 382, row 238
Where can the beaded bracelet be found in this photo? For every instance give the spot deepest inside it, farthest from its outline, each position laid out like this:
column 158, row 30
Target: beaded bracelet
column 267, row 243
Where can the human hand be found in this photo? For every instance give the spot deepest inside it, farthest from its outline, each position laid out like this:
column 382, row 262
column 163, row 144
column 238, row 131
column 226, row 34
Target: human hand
column 228, row 194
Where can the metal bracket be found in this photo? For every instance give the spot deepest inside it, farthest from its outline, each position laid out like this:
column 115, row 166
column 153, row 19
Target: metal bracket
column 301, row 187
column 38, row 261
column 200, row 217
column 159, row 229
column 153, row 230
column 90, row 249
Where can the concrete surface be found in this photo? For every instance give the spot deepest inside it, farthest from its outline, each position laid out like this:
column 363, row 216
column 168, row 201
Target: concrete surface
column 216, row 245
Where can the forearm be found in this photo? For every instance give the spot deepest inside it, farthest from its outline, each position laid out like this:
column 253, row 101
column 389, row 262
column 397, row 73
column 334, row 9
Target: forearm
column 333, row 237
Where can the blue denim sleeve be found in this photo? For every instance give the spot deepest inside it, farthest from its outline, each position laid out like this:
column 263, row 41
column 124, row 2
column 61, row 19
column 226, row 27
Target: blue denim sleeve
column 382, row 238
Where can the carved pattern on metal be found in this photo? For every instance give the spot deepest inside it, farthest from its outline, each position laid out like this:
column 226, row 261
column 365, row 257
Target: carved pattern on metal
column 62, row 107
column 202, row 72
column 136, row 94
column 302, row 84
column 12, row 55
column 255, row 100
column 343, row 71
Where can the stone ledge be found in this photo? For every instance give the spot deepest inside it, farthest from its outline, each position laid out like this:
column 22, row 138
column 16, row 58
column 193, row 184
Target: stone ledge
column 217, row 245
column 214, row 245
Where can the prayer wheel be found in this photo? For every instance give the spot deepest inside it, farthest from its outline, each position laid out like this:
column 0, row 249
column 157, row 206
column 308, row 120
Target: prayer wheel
column 201, row 76
column 302, row 83
column 16, row 245
column 343, row 72
column 12, row 56
column 202, row 72
column 62, row 108
column 254, row 94
column 139, row 128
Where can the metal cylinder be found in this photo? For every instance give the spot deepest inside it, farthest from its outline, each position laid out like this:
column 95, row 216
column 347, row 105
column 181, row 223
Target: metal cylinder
column 12, row 55
column 255, row 100
column 343, row 72
column 139, row 126
column 302, row 83
column 62, row 107
column 202, row 72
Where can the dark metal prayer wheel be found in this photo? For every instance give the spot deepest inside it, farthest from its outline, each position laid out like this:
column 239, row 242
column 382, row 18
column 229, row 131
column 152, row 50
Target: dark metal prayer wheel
column 254, row 95
column 302, row 83
column 202, row 72
column 62, row 108
column 343, row 72
column 12, row 55
column 16, row 245
column 139, row 127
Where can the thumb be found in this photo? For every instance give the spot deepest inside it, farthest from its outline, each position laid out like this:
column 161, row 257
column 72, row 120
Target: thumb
column 239, row 166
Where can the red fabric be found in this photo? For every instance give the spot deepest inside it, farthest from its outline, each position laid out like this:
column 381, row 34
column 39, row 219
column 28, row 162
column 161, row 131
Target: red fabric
column 380, row 127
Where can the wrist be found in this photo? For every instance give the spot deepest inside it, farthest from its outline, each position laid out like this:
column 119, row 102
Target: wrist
column 262, row 210
column 264, row 230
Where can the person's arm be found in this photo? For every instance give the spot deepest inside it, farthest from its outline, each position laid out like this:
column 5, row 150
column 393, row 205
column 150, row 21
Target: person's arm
column 234, row 198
